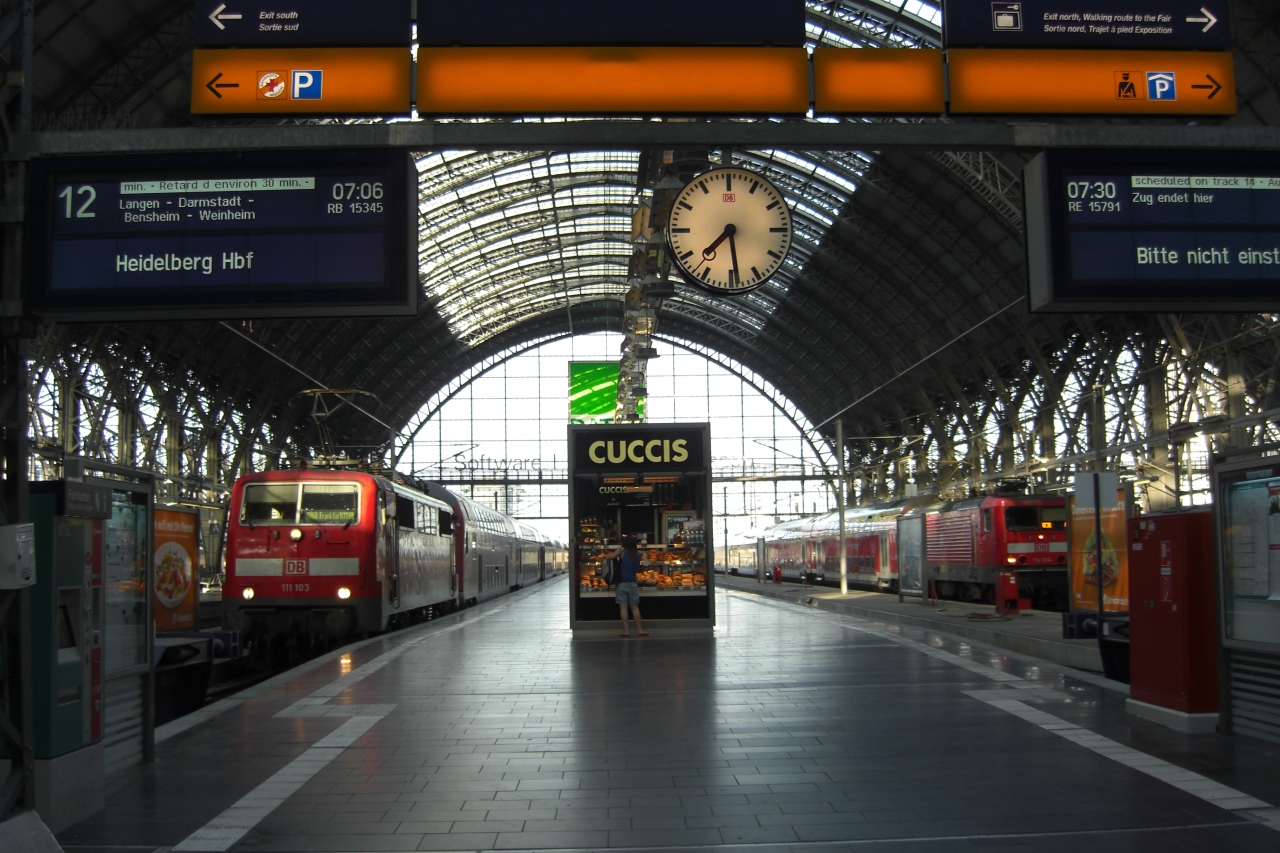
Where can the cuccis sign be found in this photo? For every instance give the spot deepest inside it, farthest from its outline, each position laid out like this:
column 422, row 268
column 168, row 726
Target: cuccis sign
column 653, row 448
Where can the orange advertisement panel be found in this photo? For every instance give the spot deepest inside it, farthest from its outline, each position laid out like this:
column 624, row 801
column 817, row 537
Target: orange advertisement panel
column 1148, row 82
column 886, row 80
column 632, row 80
column 1084, row 556
column 176, row 565
column 328, row 80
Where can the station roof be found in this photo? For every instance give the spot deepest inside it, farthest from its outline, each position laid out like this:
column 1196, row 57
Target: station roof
column 900, row 255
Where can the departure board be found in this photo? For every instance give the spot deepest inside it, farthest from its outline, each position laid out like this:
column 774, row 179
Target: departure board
column 1154, row 231
column 286, row 233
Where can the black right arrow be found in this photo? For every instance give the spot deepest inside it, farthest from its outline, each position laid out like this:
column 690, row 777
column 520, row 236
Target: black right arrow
column 213, row 85
column 1216, row 87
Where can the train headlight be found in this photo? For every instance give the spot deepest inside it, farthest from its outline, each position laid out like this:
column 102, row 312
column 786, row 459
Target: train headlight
column 344, row 593
column 295, row 534
column 248, row 593
column 1011, row 560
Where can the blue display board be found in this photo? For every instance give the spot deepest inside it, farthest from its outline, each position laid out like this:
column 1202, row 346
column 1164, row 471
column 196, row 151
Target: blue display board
column 302, row 23
column 1152, row 24
column 1154, row 231
column 444, row 23
column 267, row 234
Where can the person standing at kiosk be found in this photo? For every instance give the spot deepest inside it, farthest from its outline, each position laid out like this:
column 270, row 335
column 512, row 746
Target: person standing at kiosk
column 627, row 592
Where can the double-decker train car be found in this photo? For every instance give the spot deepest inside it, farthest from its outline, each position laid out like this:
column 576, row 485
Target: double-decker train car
column 555, row 558
column 811, row 546
column 317, row 555
column 969, row 541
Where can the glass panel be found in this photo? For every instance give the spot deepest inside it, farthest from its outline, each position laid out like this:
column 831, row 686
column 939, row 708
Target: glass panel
column 125, row 549
column 1022, row 518
column 274, row 503
column 329, row 503
column 1251, row 558
column 1055, row 516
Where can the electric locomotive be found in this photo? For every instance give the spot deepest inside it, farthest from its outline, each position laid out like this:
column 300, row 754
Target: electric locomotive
column 969, row 541
column 315, row 556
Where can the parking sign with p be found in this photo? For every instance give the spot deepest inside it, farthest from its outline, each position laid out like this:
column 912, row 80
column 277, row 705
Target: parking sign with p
column 306, row 85
column 1162, row 86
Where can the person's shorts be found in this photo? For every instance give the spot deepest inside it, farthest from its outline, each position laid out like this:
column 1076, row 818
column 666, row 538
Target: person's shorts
column 627, row 593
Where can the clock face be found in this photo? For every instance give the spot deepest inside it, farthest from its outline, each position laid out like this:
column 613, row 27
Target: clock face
column 729, row 231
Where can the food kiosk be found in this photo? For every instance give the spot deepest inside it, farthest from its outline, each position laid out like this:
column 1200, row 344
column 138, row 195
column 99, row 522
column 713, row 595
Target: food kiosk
column 651, row 481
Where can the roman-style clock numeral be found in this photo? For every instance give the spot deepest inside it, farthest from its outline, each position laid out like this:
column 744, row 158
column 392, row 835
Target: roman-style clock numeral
column 771, row 253
column 777, row 231
column 685, row 205
column 728, row 182
column 686, row 230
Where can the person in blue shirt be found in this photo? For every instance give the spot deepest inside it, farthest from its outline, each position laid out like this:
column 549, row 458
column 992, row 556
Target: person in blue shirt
column 626, row 592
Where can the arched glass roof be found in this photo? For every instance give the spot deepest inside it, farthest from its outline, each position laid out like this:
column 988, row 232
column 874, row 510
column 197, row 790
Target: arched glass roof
column 506, row 236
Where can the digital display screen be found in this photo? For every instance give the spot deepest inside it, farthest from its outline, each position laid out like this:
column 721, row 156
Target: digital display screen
column 287, row 233
column 1154, row 231
column 446, row 23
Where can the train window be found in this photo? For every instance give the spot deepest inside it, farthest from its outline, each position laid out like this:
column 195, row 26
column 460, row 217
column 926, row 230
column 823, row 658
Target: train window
column 446, row 523
column 271, row 503
column 426, row 519
column 986, row 520
column 405, row 514
column 1053, row 517
column 1022, row 518
column 329, row 503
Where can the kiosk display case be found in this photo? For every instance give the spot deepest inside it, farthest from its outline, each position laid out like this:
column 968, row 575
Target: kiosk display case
column 652, row 482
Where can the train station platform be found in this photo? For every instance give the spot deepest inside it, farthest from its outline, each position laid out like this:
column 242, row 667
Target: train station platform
column 791, row 728
column 1035, row 633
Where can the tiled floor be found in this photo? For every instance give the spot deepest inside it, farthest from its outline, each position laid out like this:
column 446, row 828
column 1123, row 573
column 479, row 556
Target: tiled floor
column 790, row 729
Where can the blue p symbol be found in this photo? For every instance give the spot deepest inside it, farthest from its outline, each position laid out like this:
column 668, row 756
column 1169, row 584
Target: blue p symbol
column 306, row 85
column 1161, row 86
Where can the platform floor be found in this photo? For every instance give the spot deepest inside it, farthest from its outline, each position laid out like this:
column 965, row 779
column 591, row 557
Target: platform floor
column 792, row 728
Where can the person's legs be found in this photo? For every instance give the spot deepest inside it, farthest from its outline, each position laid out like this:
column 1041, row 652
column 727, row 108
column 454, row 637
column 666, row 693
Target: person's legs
column 635, row 614
column 622, row 613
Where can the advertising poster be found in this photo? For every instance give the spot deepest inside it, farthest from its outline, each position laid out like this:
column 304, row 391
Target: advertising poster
column 1084, row 556
column 175, row 559
column 593, row 392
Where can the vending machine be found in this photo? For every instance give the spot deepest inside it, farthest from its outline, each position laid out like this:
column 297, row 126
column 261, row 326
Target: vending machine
column 1173, row 633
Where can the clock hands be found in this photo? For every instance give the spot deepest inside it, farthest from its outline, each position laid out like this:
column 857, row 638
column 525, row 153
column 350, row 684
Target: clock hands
column 709, row 253
column 733, row 254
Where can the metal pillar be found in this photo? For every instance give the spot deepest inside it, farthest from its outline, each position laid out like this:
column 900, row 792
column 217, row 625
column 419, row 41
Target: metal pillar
column 840, row 487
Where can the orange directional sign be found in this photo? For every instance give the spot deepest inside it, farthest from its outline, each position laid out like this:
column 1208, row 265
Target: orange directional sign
column 329, row 81
column 887, row 80
column 631, row 80
column 1149, row 82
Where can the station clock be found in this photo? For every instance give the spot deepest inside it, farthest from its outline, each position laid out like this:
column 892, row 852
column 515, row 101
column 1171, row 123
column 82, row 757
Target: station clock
column 729, row 231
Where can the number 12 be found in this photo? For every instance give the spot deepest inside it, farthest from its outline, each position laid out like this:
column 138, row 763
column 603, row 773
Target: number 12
column 83, row 212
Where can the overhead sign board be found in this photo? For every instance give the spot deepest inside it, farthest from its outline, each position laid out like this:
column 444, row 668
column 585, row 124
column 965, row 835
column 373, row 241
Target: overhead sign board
column 1111, row 230
column 225, row 234
column 887, row 80
column 596, row 80
column 316, row 80
column 303, row 23
column 1144, row 82
column 1143, row 24
column 555, row 23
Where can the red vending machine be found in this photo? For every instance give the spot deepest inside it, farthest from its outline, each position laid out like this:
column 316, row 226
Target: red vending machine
column 1173, row 652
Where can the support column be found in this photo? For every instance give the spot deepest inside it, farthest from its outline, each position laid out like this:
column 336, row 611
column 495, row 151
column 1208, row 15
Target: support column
column 1161, row 491
column 840, row 496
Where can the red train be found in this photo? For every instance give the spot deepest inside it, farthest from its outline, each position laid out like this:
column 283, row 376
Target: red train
column 968, row 541
column 315, row 556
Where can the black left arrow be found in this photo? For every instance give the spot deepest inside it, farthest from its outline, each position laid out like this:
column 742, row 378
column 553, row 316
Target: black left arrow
column 213, row 85
column 1216, row 87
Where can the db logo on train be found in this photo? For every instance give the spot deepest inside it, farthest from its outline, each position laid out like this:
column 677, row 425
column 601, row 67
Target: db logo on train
column 295, row 567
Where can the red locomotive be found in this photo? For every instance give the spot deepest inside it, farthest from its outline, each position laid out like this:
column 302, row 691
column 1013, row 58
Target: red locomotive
column 968, row 541
column 315, row 556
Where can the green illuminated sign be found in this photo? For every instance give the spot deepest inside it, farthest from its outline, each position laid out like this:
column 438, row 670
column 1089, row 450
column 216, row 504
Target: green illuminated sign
column 593, row 392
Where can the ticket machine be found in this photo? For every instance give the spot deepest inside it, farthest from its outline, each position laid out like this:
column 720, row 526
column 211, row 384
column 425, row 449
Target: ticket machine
column 67, row 632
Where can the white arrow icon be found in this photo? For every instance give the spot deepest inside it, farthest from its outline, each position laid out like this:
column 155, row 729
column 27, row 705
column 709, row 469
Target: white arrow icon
column 217, row 17
column 1208, row 20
